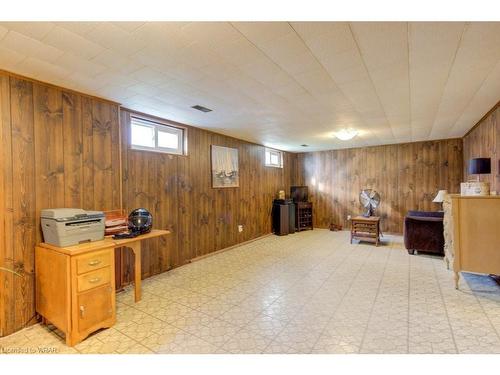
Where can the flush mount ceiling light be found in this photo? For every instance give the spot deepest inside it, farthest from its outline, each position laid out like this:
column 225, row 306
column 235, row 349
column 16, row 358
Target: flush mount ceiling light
column 346, row 134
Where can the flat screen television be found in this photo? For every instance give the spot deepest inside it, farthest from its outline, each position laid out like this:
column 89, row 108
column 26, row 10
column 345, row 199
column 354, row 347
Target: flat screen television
column 299, row 193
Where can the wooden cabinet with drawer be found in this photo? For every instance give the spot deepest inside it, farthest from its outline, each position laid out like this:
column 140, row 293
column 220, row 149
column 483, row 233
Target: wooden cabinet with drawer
column 75, row 288
column 93, row 261
column 93, row 279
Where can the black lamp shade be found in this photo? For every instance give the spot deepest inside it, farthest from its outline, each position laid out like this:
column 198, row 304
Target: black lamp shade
column 480, row 166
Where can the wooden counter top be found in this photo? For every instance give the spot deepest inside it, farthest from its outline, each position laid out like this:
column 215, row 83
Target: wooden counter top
column 474, row 196
column 106, row 243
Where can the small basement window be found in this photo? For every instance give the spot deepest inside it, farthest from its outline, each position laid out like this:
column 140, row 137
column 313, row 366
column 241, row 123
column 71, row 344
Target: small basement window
column 274, row 158
column 152, row 136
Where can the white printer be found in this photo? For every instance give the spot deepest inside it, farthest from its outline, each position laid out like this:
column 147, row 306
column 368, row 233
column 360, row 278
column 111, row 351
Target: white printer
column 71, row 226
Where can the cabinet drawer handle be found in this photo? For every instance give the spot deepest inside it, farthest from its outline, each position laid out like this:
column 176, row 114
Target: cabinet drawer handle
column 82, row 311
column 94, row 280
column 94, row 262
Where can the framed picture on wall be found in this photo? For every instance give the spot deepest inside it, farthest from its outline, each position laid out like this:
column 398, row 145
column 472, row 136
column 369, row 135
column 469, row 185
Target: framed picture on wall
column 225, row 170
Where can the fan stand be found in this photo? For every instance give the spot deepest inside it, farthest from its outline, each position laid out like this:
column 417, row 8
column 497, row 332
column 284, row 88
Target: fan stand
column 368, row 212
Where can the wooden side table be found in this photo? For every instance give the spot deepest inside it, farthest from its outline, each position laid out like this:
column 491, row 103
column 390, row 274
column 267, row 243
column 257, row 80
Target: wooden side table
column 366, row 228
column 134, row 244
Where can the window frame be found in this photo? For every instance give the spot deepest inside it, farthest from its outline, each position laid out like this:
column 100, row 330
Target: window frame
column 159, row 126
column 272, row 151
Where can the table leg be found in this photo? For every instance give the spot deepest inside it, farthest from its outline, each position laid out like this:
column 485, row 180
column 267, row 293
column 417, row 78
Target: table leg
column 136, row 248
column 71, row 340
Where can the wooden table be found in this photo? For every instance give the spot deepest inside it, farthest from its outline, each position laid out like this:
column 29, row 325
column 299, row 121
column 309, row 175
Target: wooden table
column 366, row 228
column 75, row 285
column 134, row 244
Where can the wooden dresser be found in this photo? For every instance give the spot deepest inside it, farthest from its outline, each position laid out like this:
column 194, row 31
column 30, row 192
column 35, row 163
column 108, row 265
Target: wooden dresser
column 473, row 238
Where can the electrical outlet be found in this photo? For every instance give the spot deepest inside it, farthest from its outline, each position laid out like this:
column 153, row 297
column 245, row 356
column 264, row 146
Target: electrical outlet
column 240, row 228
column 348, row 217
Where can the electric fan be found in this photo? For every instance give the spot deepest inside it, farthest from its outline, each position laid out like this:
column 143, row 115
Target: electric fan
column 370, row 200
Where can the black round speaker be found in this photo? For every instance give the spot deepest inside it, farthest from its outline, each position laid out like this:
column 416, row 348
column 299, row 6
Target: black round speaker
column 140, row 221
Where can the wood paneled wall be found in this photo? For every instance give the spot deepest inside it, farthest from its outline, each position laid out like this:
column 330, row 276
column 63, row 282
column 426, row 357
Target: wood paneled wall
column 483, row 141
column 58, row 149
column 177, row 190
column 407, row 177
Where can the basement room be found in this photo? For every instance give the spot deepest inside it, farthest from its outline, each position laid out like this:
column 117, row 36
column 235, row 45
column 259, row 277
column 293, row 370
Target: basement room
column 280, row 185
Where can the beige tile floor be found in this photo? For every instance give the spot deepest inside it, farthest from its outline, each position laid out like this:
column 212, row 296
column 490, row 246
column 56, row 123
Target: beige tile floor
column 311, row 292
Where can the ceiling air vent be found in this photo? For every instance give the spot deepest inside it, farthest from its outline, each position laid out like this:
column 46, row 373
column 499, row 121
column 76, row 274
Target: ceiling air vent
column 201, row 108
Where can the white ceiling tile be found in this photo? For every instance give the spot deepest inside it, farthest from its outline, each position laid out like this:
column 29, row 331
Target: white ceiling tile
column 116, row 39
column 35, row 30
column 317, row 81
column 9, row 58
column 152, row 57
column 128, row 26
column 325, row 38
column 180, row 88
column 337, row 63
column 185, row 73
column 113, row 78
column 221, row 71
column 150, row 76
column 211, row 33
column 286, row 46
column 77, row 64
column 290, row 53
column 198, row 55
column 266, row 72
column 382, row 43
column 356, row 72
column 30, row 47
column 117, row 93
column 259, row 32
column 42, row 70
column 239, row 52
column 90, row 85
column 159, row 36
column 289, row 90
column 66, row 40
column 80, row 28
column 117, row 62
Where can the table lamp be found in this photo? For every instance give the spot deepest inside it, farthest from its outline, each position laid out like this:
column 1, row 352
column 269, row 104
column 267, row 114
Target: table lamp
column 440, row 197
column 480, row 166
column 477, row 166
